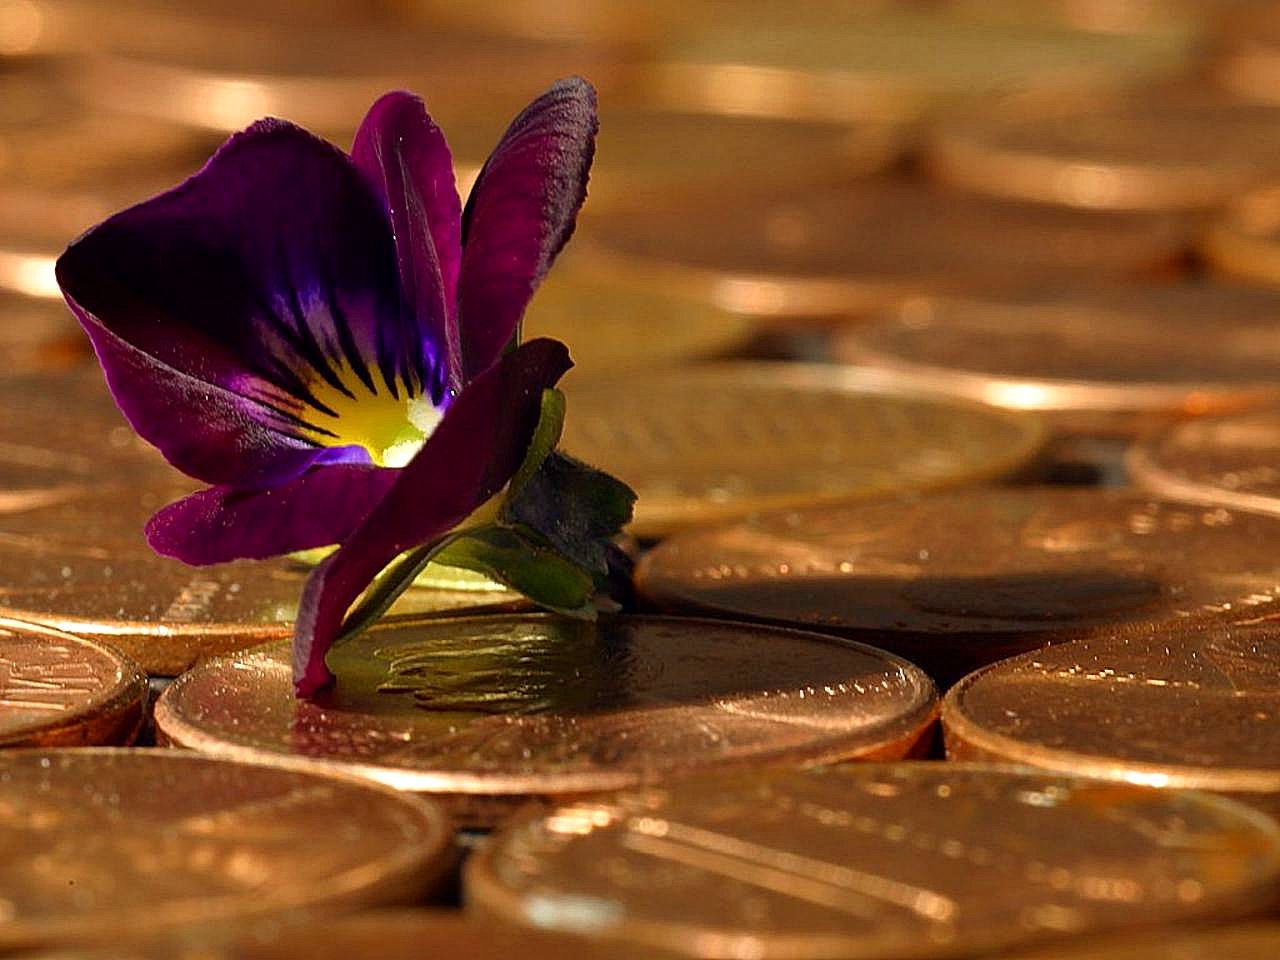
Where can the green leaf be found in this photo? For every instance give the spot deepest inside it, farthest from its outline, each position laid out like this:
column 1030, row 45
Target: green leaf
column 540, row 573
column 545, row 437
column 575, row 508
column 393, row 581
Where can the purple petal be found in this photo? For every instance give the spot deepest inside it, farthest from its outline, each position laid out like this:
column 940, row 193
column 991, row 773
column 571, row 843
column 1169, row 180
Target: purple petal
column 405, row 158
column 267, row 277
column 317, row 509
column 471, row 455
column 520, row 213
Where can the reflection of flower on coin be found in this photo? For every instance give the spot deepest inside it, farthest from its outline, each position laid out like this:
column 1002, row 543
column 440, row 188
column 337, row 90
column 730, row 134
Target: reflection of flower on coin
column 332, row 342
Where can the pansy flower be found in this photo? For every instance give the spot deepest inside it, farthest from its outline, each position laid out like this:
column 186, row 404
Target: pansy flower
column 331, row 341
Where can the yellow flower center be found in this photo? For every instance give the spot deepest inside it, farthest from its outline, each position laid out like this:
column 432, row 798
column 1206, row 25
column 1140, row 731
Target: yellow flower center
column 391, row 428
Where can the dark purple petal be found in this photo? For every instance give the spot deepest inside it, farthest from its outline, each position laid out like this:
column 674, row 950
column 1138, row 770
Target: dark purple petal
column 471, row 455
column 317, row 509
column 520, row 213
column 405, row 157
column 265, row 280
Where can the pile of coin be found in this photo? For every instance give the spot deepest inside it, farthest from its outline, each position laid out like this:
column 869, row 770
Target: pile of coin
column 941, row 344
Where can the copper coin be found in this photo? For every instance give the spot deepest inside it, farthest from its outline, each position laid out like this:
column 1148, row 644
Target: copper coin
column 1097, row 359
column 885, row 861
column 1247, row 52
column 608, row 327
column 1233, row 461
column 1245, row 241
column 1160, row 148
column 486, row 712
column 957, row 580
column 859, row 248
column 717, row 442
column 904, row 64
column 77, row 561
column 1187, row 18
column 38, row 334
column 1180, row 707
column 103, row 845
column 1244, row 941
column 57, row 690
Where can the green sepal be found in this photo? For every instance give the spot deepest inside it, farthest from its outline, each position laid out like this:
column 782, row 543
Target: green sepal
column 393, row 581
column 545, row 437
column 532, row 569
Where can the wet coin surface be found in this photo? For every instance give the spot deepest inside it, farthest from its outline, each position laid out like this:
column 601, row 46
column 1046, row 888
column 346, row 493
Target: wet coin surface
column 1195, row 708
column 1160, row 148
column 486, row 712
column 885, row 861
column 77, row 561
column 608, row 327
column 1245, row 241
column 867, row 246
column 712, row 443
column 956, row 580
column 1097, row 359
column 57, row 690
column 1233, row 461
column 103, row 845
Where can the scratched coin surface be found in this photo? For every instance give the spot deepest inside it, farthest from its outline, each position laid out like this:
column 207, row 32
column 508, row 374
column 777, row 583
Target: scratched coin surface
column 712, row 443
column 57, row 690
column 955, row 580
column 480, row 709
column 77, row 561
column 1233, row 461
column 1152, row 148
column 1097, row 359
column 862, row 247
column 99, row 844
column 876, row 860
column 1192, row 707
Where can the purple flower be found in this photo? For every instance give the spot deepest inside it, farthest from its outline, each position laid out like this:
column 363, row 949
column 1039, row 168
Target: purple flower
column 330, row 341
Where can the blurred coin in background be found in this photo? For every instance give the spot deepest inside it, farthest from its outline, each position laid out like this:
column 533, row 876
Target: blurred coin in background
column 486, row 713
column 1244, row 242
column 905, row 860
column 1245, row 941
column 37, row 334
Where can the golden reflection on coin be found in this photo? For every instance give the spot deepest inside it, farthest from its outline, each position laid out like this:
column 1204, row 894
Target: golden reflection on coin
column 1181, row 707
column 487, row 712
column 1233, row 461
column 1097, row 359
column 102, row 845
column 956, row 580
column 608, row 327
column 57, row 690
column 716, row 442
column 1245, row 241
column 876, row 861
column 904, row 64
column 79, row 562
column 1158, row 148
column 836, row 252
column 38, row 334
column 1244, row 941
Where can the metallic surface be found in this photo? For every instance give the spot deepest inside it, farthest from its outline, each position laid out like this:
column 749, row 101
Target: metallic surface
column 1245, row 241
column 76, row 560
column 100, row 845
column 1167, row 147
column 535, row 706
column 57, row 690
column 1194, row 708
column 957, row 580
column 714, row 443
column 1098, row 359
column 37, row 334
column 1245, row 941
column 1233, row 461
column 862, row 247
column 883, row 861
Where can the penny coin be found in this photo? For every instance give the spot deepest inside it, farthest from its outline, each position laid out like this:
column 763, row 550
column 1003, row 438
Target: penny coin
column 859, row 248
column 1095, row 359
column 716, row 442
column 1187, row 17
column 960, row 579
column 870, row 860
column 487, row 712
column 1247, row 52
column 1233, row 461
column 1178, row 707
column 77, row 561
column 1244, row 941
column 608, row 327
column 37, row 334
column 58, row 690
column 103, row 845
column 1245, row 240
column 1161, row 148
